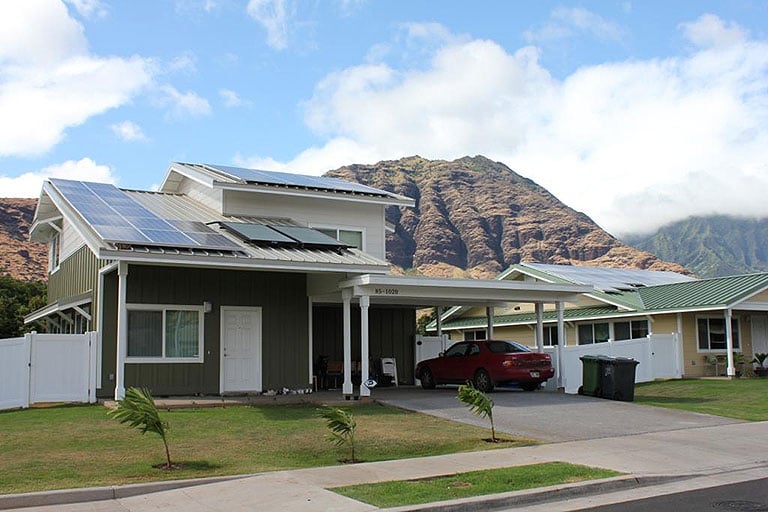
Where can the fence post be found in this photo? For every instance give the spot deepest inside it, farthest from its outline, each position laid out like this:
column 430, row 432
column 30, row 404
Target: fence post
column 92, row 365
column 28, row 341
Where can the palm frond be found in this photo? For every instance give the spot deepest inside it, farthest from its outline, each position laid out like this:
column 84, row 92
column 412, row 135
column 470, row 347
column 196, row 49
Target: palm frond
column 478, row 402
column 139, row 411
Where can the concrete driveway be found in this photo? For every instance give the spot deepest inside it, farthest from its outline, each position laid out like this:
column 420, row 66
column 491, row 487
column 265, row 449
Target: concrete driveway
column 551, row 416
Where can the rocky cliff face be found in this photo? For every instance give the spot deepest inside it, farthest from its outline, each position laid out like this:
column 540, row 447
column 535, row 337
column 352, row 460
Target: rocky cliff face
column 19, row 257
column 475, row 217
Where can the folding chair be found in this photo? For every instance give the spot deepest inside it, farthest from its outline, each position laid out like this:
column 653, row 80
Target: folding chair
column 389, row 367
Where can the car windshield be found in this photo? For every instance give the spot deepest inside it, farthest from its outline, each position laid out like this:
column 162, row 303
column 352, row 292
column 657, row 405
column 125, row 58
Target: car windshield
column 505, row 347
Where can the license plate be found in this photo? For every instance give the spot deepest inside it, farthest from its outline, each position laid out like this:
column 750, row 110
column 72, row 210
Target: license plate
column 534, row 374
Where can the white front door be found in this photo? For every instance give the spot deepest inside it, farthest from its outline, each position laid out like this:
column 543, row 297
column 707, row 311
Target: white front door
column 759, row 334
column 240, row 349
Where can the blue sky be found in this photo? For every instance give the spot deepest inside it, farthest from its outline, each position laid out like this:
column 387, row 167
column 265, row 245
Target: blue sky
column 636, row 113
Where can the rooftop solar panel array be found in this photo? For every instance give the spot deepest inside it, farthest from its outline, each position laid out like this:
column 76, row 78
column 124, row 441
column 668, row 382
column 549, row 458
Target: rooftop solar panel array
column 612, row 279
column 295, row 180
column 283, row 236
column 117, row 217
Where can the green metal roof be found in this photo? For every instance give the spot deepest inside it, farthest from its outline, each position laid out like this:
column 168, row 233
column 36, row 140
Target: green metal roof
column 716, row 293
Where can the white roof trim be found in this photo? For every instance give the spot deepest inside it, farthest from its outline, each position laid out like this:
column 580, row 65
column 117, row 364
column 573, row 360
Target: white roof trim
column 59, row 306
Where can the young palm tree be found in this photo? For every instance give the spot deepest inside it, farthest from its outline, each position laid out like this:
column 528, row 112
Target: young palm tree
column 139, row 410
column 342, row 426
column 479, row 403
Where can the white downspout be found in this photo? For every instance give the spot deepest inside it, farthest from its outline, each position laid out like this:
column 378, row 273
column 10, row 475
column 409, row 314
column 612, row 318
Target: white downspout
column 560, row 343
column 539, row 327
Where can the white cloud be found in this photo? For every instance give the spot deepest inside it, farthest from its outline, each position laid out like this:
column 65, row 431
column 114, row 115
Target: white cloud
column 709, row 30
column 273, row 16
column 30, row 183
column 633, row 144
column 89, row 9
column 568, row 22
column 183, row 104
column 128, row 131
column 230, row 98
column 48, row 80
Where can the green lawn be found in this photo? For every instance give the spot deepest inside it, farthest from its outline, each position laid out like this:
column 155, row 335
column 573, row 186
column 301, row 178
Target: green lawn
column 474, row 483
column 745, row 399
column 80, row 446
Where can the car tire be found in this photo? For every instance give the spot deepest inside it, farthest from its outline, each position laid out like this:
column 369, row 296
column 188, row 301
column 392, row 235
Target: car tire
column 482, row 381
column 530, row 386
column 427, row 379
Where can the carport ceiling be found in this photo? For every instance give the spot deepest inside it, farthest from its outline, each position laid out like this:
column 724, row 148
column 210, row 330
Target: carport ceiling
column 428, row 292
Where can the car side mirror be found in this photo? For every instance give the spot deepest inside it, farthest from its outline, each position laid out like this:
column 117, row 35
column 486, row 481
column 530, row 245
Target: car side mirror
column 441, row 354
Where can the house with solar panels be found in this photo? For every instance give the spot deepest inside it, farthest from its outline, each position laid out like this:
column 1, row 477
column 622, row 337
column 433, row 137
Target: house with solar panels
column 711, row 321
column 229, row 280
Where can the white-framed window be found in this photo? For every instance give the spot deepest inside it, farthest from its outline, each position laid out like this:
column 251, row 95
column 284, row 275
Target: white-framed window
column 630, row 329
column 598, row 332
column 164, row 334
column 710, row 332
column 54, row 252
column 550, row 335
column 477, row 334
column 350, row 236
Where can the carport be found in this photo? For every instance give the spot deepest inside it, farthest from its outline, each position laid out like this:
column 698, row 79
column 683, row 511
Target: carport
column 421, row 292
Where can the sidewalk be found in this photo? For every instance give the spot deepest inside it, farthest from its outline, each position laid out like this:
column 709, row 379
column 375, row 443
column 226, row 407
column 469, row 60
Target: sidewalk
column 698, row 456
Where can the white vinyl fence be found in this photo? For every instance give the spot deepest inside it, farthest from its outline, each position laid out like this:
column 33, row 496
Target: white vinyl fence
column 660, row 356
column 48, row 368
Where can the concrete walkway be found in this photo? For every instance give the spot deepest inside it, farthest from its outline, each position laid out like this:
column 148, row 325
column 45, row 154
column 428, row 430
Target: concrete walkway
column 697, row 449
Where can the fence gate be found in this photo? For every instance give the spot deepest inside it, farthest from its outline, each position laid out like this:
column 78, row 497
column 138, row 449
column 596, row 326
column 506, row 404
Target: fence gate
column 48, row 368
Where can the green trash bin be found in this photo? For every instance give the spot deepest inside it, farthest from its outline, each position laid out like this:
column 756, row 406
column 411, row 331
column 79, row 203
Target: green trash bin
column 591, row 377
column 618, row 378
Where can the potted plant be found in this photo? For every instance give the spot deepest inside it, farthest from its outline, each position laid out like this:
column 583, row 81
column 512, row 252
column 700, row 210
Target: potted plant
column 759, row 361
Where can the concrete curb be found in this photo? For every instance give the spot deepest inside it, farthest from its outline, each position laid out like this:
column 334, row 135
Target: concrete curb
column 541, row 495
column 65, row 496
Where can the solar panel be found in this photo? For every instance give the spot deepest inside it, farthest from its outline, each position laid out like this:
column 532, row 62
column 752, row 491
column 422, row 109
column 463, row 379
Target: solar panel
column 612, row 279
column 117, row 217
column 309, row 237
column 258, row 233
column 296, row 180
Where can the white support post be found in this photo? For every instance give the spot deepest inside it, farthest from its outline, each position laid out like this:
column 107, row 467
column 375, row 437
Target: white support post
column 561, row 342
column 731, row 372
column 122, row 330
column 540, row 327
column 439, row 320
column 309, row 348
column 346, row 297
column 365, row 302
column 489, row 317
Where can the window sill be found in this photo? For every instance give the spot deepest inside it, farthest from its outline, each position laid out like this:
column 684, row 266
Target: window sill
column 160, row 360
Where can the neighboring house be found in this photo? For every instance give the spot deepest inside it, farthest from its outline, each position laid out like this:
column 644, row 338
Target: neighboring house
column 708, row 315
column 230, row 280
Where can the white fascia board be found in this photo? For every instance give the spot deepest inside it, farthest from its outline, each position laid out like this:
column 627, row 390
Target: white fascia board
column 236, row 263
column 93, row 241
column 609, row 302
column 187, row 172
column 489, row 291
column 751, row 306
column 752, row 294
column 393, row 199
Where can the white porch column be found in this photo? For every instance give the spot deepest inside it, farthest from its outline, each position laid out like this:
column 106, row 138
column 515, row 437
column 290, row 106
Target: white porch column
column 560, row 344
column 365, row 302
column 309, row 349
column 346, row 297
column 540, row 327
column 731, row 372
column 489, row 325
column 122, row 330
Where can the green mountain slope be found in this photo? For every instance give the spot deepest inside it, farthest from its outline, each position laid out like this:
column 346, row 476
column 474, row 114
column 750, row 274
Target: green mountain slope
column 711, row 246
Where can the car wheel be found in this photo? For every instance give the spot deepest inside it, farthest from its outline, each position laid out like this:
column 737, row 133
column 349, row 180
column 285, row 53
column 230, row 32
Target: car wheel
column 483, row 381
column 426, row 378
column 530, row 386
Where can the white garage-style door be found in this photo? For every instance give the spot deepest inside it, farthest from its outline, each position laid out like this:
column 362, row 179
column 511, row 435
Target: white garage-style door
column 240, row 349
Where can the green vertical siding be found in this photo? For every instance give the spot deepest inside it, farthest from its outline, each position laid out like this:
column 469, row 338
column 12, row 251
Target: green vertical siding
column 391, row 331
column 77, row 274
column 285, row 331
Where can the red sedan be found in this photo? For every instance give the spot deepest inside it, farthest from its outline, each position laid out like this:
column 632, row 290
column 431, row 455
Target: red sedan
column 486, row 363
